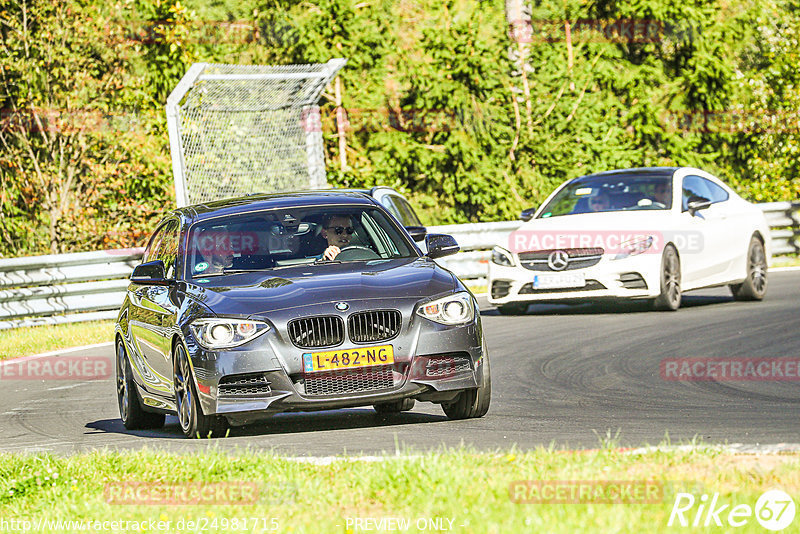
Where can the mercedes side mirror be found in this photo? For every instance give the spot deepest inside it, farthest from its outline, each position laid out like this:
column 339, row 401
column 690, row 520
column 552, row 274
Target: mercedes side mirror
column 527, row 214
column 697, row 203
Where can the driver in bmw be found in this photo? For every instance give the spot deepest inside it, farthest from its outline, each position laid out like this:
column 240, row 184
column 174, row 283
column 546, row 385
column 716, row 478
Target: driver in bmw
column 338, row 230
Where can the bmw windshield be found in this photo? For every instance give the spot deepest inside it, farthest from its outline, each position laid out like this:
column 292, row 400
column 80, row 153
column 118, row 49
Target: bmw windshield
column 614, row 192
column 295, row 236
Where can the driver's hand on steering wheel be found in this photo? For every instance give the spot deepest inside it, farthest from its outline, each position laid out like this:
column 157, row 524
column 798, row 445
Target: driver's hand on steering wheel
column 331, row 252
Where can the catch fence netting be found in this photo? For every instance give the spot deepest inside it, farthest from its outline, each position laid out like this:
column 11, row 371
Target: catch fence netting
column 248, row 128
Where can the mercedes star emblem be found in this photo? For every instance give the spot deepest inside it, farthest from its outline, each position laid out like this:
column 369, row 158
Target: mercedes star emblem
column 558, row 260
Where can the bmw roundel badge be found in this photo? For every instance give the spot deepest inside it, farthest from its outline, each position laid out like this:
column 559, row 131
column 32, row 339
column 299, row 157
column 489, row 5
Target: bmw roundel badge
column 342, row 306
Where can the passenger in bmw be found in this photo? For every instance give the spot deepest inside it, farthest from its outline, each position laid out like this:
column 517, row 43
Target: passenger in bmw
column 214, row 245
column 338, row 231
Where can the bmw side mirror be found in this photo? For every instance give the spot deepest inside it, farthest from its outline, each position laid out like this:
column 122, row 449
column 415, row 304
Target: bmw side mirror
column 417, row 233
column 440, row 245
column 527, row 214
column 150, row 273
column 697, row 203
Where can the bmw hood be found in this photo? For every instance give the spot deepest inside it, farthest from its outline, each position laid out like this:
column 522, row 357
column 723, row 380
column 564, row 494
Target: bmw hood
column 305, row 285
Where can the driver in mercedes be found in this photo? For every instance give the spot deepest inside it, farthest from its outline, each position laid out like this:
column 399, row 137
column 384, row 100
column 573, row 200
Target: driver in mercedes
column 338, row 231
column 663, row 194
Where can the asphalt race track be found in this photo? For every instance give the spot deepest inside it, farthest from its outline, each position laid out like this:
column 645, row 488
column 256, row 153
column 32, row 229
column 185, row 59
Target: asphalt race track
column 562, row 375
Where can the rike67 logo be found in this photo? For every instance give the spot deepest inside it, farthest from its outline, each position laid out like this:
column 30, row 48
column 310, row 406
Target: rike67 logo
column 774, row 510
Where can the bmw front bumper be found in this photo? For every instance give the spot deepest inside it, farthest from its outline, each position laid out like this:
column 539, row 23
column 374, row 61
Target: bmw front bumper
column 432, row 362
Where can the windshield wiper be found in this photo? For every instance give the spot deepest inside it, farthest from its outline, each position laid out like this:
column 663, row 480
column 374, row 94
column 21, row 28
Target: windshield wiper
column 230, row 271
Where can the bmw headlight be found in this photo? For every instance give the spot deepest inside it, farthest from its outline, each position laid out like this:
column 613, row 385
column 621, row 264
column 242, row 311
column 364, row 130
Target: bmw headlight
column 501, row 256
column 634, row 247
column 220, row 333
column 455, row 309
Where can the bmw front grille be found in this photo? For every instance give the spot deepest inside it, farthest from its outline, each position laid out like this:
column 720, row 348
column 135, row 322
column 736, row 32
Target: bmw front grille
column 315, row 332
column 375, row 325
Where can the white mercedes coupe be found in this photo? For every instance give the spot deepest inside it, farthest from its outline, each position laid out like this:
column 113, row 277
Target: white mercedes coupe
column 649, row 233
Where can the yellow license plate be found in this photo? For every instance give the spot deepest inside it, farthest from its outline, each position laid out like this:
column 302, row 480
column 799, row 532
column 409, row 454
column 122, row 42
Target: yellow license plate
column 333, row 360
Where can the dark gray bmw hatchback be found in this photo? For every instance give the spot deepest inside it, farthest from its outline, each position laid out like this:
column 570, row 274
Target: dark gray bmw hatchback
column 248, row 307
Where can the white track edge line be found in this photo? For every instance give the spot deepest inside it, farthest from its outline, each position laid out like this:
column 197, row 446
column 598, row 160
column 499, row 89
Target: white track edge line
column 55, row 353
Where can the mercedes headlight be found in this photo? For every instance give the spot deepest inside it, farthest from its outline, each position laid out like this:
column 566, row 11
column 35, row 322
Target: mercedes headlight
column 634, row 247
column 225, row 333
column 452, row 310
column 501, row 256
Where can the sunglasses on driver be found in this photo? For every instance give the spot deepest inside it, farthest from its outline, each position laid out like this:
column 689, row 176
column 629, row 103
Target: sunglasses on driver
column 341, row 229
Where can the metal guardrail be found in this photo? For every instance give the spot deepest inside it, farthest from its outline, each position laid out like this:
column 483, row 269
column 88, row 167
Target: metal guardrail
column 784, row 222
column 91, row 285
column 64, row 288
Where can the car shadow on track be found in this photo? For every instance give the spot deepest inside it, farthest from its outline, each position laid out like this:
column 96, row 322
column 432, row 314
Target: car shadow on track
column 284, row 423
column 599, row 307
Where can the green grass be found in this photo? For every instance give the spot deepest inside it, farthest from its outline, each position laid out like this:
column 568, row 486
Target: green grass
column 478, row 289
column 468, row 487
column 38, row 339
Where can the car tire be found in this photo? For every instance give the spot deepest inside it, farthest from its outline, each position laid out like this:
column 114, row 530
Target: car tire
column 194, row 423
column 754, row 286
column 513, row 308
column 386, row 408
column 472, row 403
column 130, row 406
column 670, row 297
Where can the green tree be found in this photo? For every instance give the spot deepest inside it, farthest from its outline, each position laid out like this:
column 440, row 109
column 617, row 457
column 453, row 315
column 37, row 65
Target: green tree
column 70, row 151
